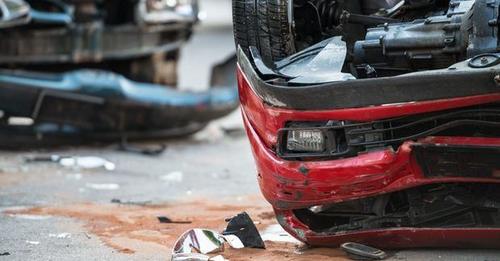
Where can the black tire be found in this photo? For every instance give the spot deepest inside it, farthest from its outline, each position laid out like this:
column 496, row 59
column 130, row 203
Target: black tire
column 263, row 24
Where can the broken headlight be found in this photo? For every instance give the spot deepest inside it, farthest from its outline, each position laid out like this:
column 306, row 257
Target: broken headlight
column 312, row 140
column 305, row 141
column 165, row 11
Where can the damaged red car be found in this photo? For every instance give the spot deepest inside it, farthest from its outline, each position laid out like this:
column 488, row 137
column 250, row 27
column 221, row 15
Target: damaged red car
column 375, row 121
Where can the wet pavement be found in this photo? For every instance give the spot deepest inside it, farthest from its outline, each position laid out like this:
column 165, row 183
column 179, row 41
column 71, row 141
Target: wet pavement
column 49, row 212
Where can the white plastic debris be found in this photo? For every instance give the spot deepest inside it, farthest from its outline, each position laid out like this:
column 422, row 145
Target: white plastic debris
column 33, row 242
column 110, row 186
column 87, row 163
column 29, row 217
column 276, row 233
column 189, row 257
column 205, row 241
column 61, row 235
column 173, row 177
column 233, row 241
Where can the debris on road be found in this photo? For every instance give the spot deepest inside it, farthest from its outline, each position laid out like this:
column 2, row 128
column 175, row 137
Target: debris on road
column 233, row 241
column 29, row 217
column 5, row 254
column 173, row 177
column 133, row 203
column 61, row 235
column 244, row 228
column 87, row 163
column 276, row 233
column 189, row 257
column 110, row 186
column 76, row 162
column 166, row 220
column 33, row 242
column 358, row 251
column 203, row 241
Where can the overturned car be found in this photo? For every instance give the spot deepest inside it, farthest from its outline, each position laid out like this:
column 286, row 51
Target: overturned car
column 77, row 71
column 375, row 122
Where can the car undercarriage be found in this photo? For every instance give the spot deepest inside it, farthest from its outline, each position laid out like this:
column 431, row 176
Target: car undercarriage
column 371, row 39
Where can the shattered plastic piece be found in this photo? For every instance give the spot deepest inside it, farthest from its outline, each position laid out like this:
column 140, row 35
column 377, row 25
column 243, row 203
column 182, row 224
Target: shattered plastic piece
column 30, row 217
column 276, row 233
column 203, row 240
column 243, row 227
column 61, row 235
column 189, row 257
column 5, row 254
column 362, row 252
column 110, row 186
column 87, row 163
column 166, row 220
column 233, row 241
column 33, row 242
column 326, row 66
column 173, row 177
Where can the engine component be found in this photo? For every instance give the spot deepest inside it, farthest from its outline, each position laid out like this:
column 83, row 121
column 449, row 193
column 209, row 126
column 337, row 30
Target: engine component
column 370, row 6
column 468, row 28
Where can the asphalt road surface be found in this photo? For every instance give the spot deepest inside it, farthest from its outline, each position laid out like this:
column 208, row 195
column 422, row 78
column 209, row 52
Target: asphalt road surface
column 49, row 212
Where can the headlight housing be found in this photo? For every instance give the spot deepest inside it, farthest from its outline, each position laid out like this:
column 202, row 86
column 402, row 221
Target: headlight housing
column 165, row 11
column 312, row 140
column 305, row 140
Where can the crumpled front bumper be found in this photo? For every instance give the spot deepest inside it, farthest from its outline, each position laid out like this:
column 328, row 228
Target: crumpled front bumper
column 289, row 184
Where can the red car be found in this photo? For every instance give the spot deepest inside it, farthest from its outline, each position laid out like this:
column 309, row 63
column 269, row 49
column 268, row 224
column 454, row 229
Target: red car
column 375, row 121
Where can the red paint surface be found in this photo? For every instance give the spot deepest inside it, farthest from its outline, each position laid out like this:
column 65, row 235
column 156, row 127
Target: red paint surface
column 286, row 187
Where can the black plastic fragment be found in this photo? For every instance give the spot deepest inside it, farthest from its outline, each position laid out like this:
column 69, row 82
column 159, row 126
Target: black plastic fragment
column 358, row 251
column 166, row 220
column 243, row 227
column 5, row 254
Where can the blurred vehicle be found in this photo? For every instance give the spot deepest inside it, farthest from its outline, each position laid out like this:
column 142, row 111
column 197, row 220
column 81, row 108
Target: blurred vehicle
column 98, row 70
column 375, row 122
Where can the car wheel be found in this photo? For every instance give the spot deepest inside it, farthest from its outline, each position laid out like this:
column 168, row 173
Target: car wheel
column 266, row 25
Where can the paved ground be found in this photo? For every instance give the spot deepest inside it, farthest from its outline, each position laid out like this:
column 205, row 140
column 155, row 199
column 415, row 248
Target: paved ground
column 53, row 213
